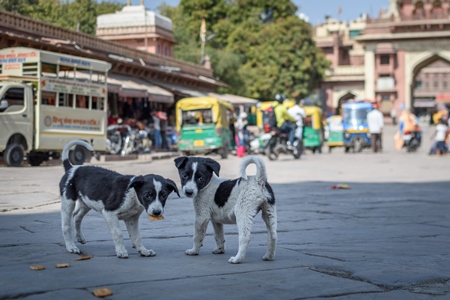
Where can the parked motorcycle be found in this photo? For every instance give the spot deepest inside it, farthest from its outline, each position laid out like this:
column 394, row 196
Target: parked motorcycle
column 114, row 138
column 412, row 140
column 276, row 144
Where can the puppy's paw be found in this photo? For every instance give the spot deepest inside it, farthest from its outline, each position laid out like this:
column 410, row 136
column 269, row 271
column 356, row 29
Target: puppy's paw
column 122, row 254
column 191, row 252
column 145, row 252
column 268, row 257
column 235, row 260
column 73, row 249
column 218, row 251
column 81, row 239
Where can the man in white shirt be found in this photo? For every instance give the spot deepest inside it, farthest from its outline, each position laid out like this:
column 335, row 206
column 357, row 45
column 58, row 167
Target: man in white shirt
column 298, row 113
column 375, row 122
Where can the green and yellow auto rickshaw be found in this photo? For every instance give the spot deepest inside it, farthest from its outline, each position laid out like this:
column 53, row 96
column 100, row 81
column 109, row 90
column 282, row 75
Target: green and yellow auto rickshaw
column 313, row 129
column 203, row 125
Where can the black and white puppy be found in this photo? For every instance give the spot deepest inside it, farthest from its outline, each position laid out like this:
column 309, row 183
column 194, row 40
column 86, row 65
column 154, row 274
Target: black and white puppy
column 223, row 201
column 115, row 196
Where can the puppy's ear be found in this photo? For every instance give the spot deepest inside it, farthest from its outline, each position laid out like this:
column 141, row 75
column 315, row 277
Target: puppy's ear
column 136, row 182
column 214, row 165
column 180, row 161
column 173, row 185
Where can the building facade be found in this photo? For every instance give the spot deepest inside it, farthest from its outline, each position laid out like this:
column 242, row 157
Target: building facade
column 139, row 28
column 401, row 58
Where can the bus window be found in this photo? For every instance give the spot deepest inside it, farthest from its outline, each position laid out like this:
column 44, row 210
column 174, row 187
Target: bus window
column 100, row 103
column 82, row 101
column 48, row 98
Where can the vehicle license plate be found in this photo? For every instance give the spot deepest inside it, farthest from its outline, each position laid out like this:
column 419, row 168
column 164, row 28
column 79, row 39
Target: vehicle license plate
column 198, row 143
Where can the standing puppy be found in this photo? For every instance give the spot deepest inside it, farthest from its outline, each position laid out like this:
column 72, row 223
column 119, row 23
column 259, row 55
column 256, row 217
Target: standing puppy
column 223, row 201
column 115, row 196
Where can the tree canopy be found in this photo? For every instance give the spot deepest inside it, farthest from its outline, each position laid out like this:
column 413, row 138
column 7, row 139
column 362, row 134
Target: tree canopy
column 79, row 15
column 258, row 47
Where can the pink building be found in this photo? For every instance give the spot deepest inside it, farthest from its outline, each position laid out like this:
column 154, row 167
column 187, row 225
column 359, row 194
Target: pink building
column 401, row 58
column 139, row 28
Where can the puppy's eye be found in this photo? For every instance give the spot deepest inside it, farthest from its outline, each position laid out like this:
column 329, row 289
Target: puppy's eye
column 184, row 175
column 200, row 179
column 163, row 195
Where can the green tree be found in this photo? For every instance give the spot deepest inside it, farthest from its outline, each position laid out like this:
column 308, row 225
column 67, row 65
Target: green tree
column 78, row 15
column 22, row 7
column 260, row 47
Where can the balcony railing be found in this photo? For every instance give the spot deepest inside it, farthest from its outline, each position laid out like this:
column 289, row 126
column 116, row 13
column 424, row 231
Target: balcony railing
column 346, row 71
column 18, row 23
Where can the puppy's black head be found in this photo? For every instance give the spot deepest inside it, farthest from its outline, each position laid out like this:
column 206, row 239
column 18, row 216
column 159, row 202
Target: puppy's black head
column 152, row 191
column 195, row 173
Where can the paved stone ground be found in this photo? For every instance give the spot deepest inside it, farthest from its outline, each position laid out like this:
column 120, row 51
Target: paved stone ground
column 387, row 237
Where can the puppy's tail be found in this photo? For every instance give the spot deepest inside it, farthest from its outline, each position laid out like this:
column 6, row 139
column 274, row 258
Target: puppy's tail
column 65, row 153
column 261, row 175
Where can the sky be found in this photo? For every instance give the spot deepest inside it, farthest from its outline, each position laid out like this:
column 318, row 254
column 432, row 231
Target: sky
column 314, row 9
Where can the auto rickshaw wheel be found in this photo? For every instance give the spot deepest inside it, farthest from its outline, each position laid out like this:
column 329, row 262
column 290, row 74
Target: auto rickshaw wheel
column 346, row 149
column 358, row 146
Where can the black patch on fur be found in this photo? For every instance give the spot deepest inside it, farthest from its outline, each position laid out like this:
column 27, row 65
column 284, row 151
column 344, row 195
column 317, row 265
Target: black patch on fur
column 223, row 192
column 269, row 189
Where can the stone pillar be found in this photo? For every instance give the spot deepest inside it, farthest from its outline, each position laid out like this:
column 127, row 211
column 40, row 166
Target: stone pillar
column 369, row 70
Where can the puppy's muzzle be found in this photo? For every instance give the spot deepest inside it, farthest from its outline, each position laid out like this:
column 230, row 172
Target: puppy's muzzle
column 189, row 192
column 156, row 212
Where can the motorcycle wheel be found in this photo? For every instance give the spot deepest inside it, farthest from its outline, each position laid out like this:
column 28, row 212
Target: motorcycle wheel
column 269, row 151
column 297, row 152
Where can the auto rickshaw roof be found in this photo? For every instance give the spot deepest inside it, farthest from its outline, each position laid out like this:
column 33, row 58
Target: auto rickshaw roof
column 195, row 103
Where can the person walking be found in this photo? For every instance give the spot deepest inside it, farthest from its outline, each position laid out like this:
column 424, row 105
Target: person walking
column 440, row 135
column 240, row 127
column 375, row 122
column 156, row 131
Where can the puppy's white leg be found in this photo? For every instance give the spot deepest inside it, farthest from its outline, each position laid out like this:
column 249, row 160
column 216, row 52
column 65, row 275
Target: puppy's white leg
column 219, row 237
column 135, row 236
column 67, row 208
column 199, row 235
column 269, row 215
column 244, row 221
column 79, row 214
column 114, row 227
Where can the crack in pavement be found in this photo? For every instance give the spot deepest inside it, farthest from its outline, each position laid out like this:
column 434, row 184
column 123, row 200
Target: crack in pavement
column 434, row 287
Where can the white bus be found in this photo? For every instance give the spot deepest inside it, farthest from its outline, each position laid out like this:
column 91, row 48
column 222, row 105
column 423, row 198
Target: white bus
column 44, row 105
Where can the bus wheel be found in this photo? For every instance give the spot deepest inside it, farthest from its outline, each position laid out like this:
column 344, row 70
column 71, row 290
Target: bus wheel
column 14, row 155
column 77, row 156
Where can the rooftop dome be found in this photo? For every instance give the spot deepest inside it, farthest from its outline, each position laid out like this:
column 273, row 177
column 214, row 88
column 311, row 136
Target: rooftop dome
column 136, row 15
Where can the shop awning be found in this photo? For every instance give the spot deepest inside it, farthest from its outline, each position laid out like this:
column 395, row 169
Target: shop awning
column 181, row 90
column 134, row 88
column 139, row 88
column 235, row 100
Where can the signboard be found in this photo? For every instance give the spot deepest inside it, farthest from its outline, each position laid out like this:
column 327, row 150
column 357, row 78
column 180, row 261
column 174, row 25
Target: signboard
column 443, row 98
column 72, row 87
column 68, row 123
